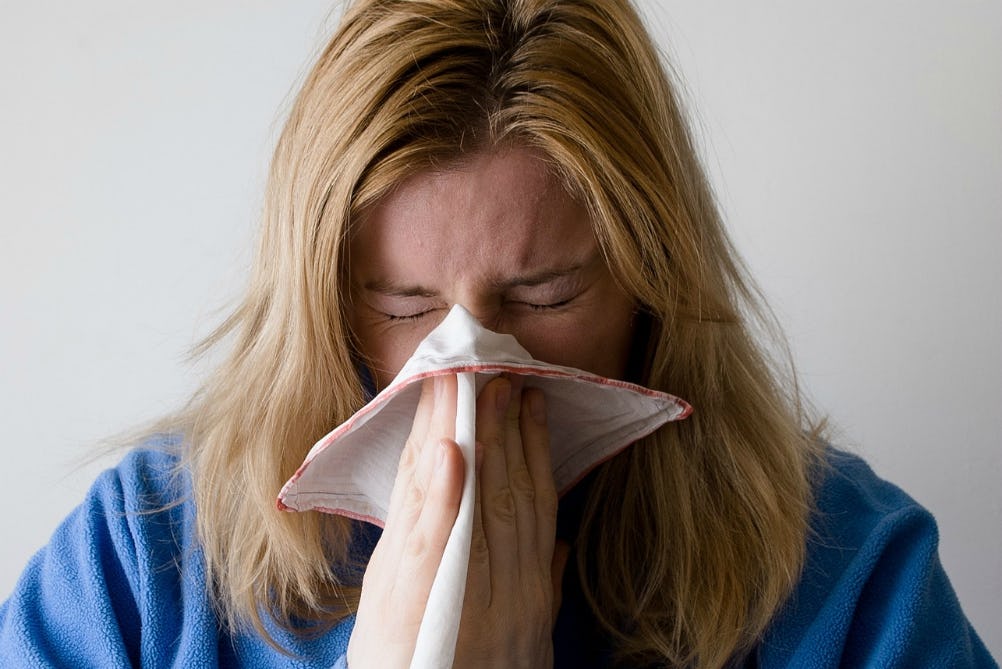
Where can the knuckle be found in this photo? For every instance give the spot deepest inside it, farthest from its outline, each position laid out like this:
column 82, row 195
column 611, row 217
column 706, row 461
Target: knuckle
column 502, row 505
column 416, row 546
column 521, row 483
column 414, row 498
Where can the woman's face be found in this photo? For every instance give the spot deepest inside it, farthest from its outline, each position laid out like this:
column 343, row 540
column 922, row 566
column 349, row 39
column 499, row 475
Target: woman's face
column 499, row 235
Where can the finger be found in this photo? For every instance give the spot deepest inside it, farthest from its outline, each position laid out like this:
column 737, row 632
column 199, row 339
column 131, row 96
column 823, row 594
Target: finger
column 492, row 403
column 498, row 506
column 518, row 443
column 422, row 552
column 435, row 410
column 441, row 423
column 409, row 456
column 422, row 416
column 536, row 438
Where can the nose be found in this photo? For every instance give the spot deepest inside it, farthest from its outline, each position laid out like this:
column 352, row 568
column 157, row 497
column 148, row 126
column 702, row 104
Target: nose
column 487, row 311
column 488, row 318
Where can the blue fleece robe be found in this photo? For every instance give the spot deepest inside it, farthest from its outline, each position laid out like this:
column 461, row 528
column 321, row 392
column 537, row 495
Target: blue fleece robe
column 122, row 584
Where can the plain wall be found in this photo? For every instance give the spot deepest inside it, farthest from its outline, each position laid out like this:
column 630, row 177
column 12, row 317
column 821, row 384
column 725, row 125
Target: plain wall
column 856, row 149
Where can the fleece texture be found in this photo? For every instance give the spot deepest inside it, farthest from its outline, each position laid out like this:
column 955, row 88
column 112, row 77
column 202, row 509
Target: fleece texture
column 122, row 584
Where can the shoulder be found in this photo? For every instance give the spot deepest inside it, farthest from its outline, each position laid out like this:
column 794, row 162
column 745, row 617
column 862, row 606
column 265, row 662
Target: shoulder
column 130, row 510
column 873, row 592
column 856, row 510
column 112, row 579
column 150, row 476
column 149, row 471
column 143, row 504
column 122, row 583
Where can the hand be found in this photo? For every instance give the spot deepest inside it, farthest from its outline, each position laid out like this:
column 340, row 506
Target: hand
column 513, row 583
column 423, row 508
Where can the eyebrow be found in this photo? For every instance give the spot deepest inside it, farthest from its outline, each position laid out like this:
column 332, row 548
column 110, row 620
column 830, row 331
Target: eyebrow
column 393, row 289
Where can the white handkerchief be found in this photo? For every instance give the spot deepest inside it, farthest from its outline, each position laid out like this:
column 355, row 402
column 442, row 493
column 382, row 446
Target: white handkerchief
column 351, row 470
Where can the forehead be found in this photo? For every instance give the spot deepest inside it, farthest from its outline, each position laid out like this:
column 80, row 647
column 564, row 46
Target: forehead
column 495, row 213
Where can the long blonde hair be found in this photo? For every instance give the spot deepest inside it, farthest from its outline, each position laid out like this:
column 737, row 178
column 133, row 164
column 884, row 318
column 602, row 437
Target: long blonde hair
column 691, row 539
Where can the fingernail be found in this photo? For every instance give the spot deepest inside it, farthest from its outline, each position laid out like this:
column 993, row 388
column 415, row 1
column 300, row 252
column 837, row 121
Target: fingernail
column 503, row 395
column 537, row 406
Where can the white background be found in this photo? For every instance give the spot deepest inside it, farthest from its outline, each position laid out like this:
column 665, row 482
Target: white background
column 856, row 148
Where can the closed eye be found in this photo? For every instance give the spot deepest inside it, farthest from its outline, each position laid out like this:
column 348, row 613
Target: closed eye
column 408, row 317
column 547, row 306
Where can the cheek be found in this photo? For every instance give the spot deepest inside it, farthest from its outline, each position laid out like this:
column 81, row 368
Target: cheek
column 599, row 346
column 595, row 337
column 385, row 348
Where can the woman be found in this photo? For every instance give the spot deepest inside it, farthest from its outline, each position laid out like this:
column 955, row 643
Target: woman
column 527, row 159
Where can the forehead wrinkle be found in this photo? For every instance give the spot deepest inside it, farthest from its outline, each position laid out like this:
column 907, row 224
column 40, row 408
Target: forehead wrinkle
column 484, row 227
column 514, row 200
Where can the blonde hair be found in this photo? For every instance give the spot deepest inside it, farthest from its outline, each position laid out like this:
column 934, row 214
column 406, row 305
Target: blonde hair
column 691, row 539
